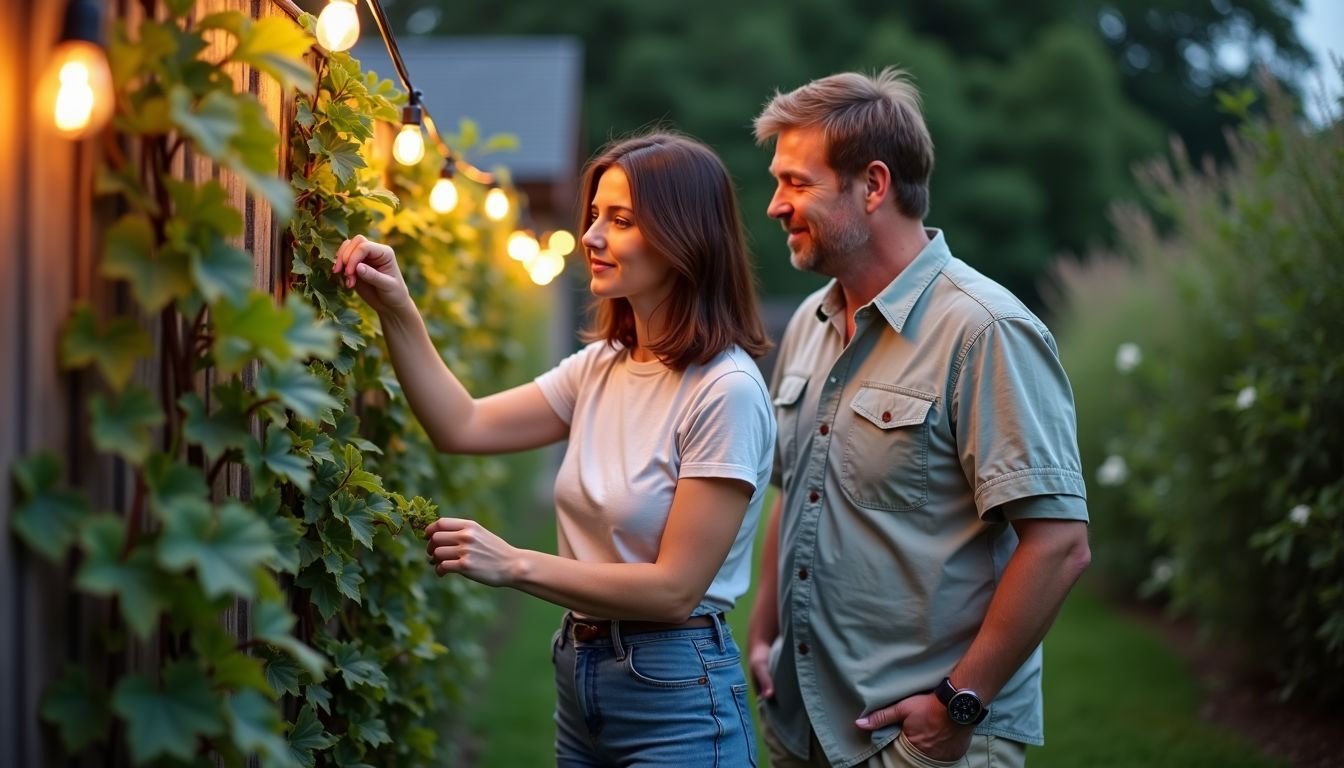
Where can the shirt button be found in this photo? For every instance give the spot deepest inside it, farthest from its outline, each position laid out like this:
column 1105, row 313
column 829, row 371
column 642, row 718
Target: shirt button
column 833, row 379
column 802, row 574
column 825, row 430
column 886, row 416
column 803, row 649
column 813, row 496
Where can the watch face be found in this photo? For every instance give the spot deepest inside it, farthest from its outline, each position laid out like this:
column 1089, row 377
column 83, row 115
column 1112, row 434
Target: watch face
column 964, row 708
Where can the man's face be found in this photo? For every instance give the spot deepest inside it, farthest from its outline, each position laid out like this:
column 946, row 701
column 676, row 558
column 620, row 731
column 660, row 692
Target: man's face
column 823, row 217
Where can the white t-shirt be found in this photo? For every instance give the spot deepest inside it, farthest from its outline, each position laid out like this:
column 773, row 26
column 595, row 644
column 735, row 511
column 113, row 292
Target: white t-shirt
column 634, row 429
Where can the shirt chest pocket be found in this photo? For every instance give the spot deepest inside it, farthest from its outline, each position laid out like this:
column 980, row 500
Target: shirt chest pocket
column 886, row 448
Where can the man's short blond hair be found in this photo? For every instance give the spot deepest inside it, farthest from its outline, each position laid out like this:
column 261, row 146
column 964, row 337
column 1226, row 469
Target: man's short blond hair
column 863, row 118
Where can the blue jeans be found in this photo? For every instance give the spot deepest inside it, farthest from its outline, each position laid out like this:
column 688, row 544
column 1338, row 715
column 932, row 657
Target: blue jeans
column 666, row 698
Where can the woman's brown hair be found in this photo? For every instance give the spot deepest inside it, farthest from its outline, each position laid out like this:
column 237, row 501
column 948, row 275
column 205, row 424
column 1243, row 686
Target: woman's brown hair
column 685, row 207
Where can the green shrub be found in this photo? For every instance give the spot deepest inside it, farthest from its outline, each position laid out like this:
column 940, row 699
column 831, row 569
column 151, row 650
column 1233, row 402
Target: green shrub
column 1227, row 430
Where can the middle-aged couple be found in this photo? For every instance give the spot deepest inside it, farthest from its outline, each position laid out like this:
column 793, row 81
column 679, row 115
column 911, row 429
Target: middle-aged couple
column 931, row 515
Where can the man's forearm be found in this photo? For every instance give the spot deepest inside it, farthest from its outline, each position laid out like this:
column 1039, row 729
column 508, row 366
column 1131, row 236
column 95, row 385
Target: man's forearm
column 1050, row 557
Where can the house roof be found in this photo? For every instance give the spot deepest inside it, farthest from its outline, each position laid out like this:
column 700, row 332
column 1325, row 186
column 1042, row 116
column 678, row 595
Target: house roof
column 530, row 87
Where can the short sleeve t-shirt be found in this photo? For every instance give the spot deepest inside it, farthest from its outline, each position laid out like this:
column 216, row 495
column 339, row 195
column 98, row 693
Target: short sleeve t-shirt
column 635, row 429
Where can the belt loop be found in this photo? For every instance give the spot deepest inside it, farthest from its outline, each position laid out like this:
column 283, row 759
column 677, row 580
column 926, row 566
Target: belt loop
column 616, row 643
column 566, row 627
column 717, row 618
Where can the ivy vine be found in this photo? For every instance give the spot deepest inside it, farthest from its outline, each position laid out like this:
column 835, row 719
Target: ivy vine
column 352, row 638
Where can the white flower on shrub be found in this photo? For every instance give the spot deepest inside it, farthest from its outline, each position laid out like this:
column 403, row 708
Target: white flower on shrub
column 1245, row 398
column 1113, row 471
column 1300, row 514
column 1127, row 357
column 1162, row 572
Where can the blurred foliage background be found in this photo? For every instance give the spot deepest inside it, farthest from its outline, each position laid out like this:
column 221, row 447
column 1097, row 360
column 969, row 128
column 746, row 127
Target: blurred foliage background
column 1038, row 108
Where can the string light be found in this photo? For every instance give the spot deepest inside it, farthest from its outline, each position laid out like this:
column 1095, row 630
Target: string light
column 522, row 246
column 409, row 148
column 75, row 90
column 443, row 197
column 561, row 242
column 338, row 25
column 496, row 204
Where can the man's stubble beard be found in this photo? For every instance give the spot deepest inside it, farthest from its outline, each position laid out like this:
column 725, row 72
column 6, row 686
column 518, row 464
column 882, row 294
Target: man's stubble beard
column 831, row 246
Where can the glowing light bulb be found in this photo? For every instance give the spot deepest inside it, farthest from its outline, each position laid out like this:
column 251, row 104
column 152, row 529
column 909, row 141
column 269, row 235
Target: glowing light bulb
column 561, row 242
column 338, row 25
column 496, row 204
column 443, row 197
column 544, row 268
column 410, row 145
column 75, row 92
column 523, row 246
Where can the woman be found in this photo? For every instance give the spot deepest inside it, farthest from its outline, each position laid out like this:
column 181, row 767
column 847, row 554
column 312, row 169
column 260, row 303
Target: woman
column 671, row 437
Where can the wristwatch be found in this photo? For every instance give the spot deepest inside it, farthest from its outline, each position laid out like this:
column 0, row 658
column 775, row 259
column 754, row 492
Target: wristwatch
column 963, row 705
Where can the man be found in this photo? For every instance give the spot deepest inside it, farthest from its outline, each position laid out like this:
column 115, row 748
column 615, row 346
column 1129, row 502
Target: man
column 932, row 516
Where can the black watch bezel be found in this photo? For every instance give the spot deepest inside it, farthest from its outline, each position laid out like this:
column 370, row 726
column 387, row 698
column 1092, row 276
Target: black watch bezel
column 964, row 706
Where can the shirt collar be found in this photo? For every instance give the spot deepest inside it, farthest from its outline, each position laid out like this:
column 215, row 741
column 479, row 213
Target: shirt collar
column 899, row 297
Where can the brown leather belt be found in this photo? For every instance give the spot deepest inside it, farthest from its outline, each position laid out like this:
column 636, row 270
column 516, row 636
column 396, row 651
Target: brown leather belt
column 584, row 630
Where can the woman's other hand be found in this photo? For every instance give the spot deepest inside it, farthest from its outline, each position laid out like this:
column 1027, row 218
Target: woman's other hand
column 371, row 269
column 469, row 548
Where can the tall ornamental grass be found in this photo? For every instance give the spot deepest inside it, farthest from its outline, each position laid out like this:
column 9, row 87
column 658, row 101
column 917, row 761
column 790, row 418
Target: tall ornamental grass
column 1207, row 355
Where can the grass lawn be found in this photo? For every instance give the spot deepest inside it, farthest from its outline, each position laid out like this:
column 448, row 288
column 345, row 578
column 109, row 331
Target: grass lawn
column 1114, row 695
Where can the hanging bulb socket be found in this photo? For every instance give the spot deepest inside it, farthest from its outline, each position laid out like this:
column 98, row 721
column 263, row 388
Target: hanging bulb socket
column 409, row 146
column 83, row 21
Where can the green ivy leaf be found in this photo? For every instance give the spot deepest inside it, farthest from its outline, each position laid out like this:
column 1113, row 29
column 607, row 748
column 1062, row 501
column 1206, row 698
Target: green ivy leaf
column 133, row 580
column 501, row 142
column 343, row 155
column 277, row 456
column 304, row 114
column 122, row 425
column 282, row 674
column 357, row 668
column 321, row 588
column 148, row 115
column 46, row 516
column 218, row 432
column 224, row 548
column 371, row 731
column 178, row 8
column 174, row 487
column 350, row 121
column 77, row 708
column 156, row 277
column 115, row 349
column 302, row 393
column 237, row 670
column 355, row 514
column 254, row 158
column 318, row 697
column 255, row 727
column 308, row 736
column 275, row 45
column 212, row 124
column 205, row 207
column 286, row 533
column 256, row 329
column 220, row 270
column 307, row 335
column 167, row 720
column 272, row 622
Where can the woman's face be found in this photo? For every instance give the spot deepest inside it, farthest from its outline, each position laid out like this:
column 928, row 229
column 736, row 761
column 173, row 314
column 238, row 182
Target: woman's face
column 619, row 260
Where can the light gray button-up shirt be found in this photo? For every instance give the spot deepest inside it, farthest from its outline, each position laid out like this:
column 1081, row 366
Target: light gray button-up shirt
column 903, row 457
